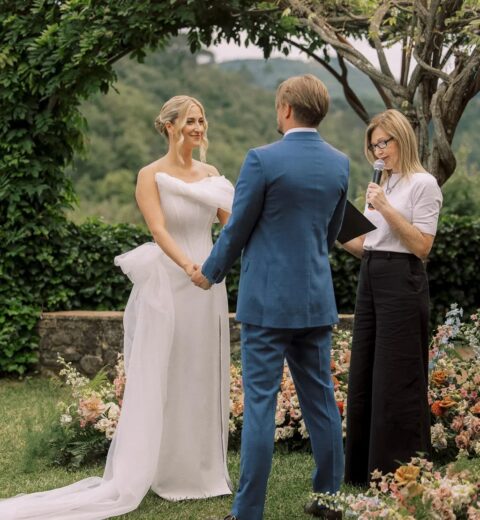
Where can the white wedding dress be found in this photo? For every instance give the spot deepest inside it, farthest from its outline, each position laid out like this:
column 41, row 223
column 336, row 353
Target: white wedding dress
column 173, row 429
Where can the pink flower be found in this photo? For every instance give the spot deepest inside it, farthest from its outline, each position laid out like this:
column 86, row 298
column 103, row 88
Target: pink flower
column 457, row 423
column 119, row 383
column 91, row 408
column 462, row 440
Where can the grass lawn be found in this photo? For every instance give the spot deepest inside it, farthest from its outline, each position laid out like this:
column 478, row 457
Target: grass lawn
column 31, row 404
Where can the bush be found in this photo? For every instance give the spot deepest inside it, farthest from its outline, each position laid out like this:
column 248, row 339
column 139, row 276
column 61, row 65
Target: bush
column 76, row 271
column 453, row 265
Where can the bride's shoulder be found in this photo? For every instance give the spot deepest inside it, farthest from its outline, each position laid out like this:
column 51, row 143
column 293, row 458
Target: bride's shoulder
column 208, row 170
column 151, row 169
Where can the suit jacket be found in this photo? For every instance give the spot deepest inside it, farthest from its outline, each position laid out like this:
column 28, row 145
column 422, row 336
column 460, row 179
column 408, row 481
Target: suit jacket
column 287, row 211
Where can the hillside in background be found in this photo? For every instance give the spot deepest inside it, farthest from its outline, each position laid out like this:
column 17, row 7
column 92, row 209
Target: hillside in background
column 269, row 73
column 239, row 100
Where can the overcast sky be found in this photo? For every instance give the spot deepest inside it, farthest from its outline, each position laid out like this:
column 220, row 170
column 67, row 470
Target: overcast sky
column 230, row 51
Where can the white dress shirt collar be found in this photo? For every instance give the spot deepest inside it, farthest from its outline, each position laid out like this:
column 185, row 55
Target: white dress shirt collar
column 300, row 129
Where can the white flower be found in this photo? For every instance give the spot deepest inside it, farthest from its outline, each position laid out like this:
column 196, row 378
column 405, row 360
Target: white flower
column 288, row 432
column 113, row 411
column 303, row 430
column 439, row 438
column 103, row 424
column 280, row 417
column 109, row 432
column 65, row 419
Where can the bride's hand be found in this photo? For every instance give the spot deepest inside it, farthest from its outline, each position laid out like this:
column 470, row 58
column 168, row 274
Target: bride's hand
column 190, row 268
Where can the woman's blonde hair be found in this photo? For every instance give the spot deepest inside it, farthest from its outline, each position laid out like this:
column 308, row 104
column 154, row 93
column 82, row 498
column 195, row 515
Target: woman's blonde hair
column 307, row 96
column 175, row 111
column 396, row 125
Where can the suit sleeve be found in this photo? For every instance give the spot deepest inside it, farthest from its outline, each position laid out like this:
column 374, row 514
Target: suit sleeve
column 335, row 223
column 247, row 208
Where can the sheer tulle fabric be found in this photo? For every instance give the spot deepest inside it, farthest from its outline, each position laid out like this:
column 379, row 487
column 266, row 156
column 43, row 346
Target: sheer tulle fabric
column 150, row 329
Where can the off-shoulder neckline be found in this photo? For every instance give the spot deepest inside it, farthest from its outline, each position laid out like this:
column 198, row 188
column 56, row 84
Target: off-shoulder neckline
column 186, row 182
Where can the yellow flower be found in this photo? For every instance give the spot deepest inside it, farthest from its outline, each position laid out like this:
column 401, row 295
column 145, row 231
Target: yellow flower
column 414, row 489
column 406, row 474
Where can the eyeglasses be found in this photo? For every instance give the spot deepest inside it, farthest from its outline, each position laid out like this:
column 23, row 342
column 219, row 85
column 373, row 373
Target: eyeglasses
column 381, row 145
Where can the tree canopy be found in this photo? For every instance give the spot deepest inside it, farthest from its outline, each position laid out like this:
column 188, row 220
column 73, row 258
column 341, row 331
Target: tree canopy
column 440, row 59
column 54, row 54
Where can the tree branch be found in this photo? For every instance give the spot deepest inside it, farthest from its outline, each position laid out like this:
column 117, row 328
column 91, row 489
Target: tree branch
column 375, row 24
column 350, row 95
column 319, row 25
column 441, row 142
column 432, row 70
column 422, row 109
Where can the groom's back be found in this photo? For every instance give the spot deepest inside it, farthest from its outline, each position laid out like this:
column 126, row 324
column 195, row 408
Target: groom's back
column 286, row 279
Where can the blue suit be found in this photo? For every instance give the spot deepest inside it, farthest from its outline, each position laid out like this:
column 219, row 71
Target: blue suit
column 287, row 211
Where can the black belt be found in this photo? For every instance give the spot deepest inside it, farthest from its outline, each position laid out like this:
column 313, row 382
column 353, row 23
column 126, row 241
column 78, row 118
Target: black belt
column 367, row 253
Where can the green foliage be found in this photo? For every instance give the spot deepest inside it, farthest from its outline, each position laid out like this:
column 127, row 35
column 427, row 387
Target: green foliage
column 69, row 448
column 453, row 265
column 53, row 56
column 345, row 269
column 72, row 270
column 80, row 274
column 461, row 194
column 121, row 137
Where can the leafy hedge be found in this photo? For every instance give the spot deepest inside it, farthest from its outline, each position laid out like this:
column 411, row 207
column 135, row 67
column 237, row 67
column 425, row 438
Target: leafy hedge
column 77, row 272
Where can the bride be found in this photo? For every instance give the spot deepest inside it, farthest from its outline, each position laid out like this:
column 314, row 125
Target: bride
column 173, row 429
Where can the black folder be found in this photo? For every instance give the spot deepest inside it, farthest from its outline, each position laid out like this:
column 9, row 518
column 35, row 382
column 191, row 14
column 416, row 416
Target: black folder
column 354, row 224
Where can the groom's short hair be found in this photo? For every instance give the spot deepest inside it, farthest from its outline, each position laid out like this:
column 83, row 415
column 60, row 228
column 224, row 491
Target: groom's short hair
column 307, row 96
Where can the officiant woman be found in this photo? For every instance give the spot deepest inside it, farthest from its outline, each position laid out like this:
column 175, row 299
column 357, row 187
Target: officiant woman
column 388, row 416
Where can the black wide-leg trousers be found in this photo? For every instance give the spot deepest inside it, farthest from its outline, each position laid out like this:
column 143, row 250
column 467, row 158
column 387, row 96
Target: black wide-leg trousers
column 388, row 417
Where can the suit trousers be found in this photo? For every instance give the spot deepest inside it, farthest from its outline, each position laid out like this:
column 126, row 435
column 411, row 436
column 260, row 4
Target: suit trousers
column 307, row 352
column 388, row 416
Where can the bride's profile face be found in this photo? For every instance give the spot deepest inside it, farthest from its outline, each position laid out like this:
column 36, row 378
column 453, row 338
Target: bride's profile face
column 194, row 128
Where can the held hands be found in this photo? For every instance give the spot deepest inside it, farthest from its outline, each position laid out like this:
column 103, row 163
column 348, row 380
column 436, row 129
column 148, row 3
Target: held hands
column 190, row 268
column 199, row 280
column 376, row 196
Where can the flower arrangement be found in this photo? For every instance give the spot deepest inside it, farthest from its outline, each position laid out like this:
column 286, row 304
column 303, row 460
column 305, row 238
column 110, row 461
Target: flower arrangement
column 87, row 423
column 454, row 386
column 290, row 429
column 415, row 490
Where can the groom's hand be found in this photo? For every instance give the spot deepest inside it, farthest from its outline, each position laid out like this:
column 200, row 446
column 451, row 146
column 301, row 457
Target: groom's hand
column 199, row 280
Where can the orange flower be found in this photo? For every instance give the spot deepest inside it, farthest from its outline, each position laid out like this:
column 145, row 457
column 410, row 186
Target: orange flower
column 447, row 402
column 406, row 474
column 437, row 409
column 340, row 407
column 333, row 365
column 476, row 408
column 336, row 382
column 439, row 377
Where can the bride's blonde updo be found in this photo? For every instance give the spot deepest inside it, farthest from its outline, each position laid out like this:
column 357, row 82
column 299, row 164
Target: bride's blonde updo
column 175, row 111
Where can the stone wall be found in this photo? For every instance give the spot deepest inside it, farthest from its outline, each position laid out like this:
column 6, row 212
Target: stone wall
column 91, row 340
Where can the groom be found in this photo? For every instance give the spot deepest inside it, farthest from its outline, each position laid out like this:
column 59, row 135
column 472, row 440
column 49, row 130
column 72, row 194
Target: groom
column 287, row 211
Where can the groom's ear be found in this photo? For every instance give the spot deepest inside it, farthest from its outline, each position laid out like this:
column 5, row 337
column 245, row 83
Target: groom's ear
column 288, row 111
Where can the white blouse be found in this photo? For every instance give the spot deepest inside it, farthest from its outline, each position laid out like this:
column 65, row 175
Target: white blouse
column 418, row 198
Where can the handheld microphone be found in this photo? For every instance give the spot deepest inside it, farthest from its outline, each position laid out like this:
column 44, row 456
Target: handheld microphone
column 378, row 167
